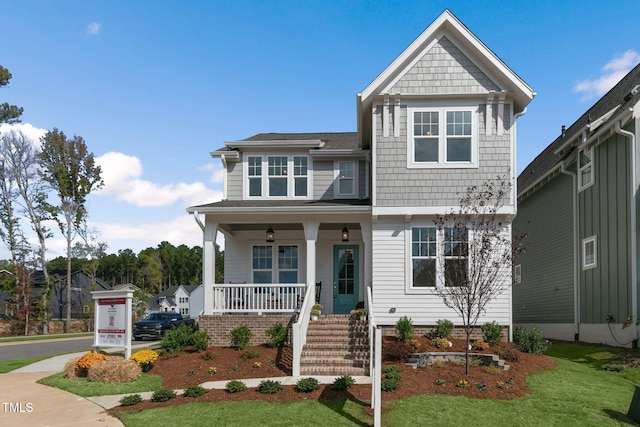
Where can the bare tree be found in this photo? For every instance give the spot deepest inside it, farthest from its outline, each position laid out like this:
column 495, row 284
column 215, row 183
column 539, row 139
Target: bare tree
column 20, row 161
column 478, row 252
column 71, row 171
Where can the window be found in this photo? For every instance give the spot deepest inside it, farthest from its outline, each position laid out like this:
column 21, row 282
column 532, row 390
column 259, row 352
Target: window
column 184, row 311
column 589, row 253
column 442, row 137
column 423, row 255
column 183, row 300
column 262, row 264
column 85, row 309
column 270, row 176
column 517, row 274
column 255, row 176
column 346, row 183
column 300, row 176
column 585, row 170
column 286, row 262
column 439, row 256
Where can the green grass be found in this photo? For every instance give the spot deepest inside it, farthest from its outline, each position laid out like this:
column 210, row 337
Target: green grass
column 242, row 414
column 43, row 337
column 10, row 365
column 83, row 387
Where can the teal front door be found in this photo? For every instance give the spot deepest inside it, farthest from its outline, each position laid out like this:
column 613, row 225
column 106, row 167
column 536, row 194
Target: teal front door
column 345, row 278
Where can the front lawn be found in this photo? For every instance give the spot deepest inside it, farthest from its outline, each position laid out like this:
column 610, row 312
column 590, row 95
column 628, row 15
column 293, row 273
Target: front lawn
column 85, row 388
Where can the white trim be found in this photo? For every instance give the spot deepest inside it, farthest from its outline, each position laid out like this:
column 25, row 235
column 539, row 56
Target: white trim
column 517, row 274
column 586, row 241
column 442, row 111
column 427, row 210
column 284, row 143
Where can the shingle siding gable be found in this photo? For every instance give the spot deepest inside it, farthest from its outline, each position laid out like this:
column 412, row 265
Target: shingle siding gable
column 444, row 69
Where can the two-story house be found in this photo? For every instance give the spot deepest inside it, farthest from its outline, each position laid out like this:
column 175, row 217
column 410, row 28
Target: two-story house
column 348, row 218
column 184, row 299
column 578, row 278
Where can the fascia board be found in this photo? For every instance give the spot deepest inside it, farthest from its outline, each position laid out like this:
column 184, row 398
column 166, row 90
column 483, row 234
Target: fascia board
column 302, row 143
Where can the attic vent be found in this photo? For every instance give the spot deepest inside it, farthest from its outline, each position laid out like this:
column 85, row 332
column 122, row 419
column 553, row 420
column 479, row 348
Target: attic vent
column 632, row 93
column 564, row 128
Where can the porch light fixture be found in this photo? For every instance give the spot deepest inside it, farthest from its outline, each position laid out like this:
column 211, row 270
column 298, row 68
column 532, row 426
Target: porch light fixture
column 345, row 233
column 270, row 238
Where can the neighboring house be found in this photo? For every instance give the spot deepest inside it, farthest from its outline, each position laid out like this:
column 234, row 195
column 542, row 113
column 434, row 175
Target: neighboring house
column 356, row 210
column 578, row 277
column 81, row 287
column 184, row 299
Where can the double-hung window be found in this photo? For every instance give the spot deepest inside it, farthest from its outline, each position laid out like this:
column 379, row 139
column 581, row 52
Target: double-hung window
column 585, row 173
column 277, row 176
column 286, row 264
column 589, row 253
column 346, row 182
column 442, row 137
column 439, row 257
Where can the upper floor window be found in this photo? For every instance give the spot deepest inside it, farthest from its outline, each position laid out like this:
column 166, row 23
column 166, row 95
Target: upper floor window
column 442, row 137
column 271, row 176
column 346, row 182
column 585, row 168
column 589, row 254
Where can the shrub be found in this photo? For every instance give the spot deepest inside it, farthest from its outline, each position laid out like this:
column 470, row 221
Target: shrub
column 269, row 387
column 235, row 386
column 343, row 382
column 278, row 335
column 393, row 375
column 440, row 342
column 87, row 360
column 307, row 385
column 250, row 353
column 404, row 329
column 114, row 370
column 613, row 367
column 389, row 384
column 413, row 343
column 200, row 340
column 317, row 307
column 530, row 342
column 178, row 338
column 163, row 395
column 491, row 333
column 240, row 336
column 443, row 329
column 170, row 353
column 132, row 399
column 396, row 350
column 195, row 391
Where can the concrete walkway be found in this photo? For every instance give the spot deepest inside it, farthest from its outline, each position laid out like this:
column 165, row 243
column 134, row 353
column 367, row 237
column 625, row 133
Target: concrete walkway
column 23, row 402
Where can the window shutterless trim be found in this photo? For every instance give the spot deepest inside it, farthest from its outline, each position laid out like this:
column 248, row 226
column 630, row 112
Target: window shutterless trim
column 589, row 252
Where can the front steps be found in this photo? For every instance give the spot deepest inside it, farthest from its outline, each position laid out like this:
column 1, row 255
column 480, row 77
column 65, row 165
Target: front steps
column 336, row 345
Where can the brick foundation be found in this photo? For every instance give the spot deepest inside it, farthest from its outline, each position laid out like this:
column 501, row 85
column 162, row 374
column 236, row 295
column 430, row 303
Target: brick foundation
column 457, row 332
column 219, row 327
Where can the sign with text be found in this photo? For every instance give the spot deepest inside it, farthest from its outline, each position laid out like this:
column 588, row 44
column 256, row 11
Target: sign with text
column 113, row 319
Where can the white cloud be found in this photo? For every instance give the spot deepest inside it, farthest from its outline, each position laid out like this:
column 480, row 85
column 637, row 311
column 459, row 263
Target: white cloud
column 612, row 72
column 27, row 129
column 217, row 172
column 93, row 28
column 121, row 174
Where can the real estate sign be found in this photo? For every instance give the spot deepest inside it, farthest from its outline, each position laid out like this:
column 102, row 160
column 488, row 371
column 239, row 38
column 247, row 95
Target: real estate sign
column 113, row 319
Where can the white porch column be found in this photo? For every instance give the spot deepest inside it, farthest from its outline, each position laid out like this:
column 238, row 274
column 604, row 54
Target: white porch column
column 365, row 228
column 209, row 263
column 311, row 235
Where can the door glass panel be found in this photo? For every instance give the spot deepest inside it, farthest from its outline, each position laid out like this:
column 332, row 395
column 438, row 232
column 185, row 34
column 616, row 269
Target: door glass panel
column 346, row 271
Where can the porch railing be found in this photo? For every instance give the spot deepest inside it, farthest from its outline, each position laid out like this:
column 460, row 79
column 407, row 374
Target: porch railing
column 301, row 326
column 258, row 298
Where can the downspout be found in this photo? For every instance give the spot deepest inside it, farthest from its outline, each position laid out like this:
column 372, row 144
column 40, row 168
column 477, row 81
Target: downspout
column 633, row 225
column 576, row 253
column 198, row 220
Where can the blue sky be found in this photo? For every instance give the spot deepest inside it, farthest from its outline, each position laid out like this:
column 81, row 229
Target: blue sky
column 154, row 86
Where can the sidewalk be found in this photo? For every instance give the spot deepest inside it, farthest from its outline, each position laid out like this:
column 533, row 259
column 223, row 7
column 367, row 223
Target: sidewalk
column 23, row 402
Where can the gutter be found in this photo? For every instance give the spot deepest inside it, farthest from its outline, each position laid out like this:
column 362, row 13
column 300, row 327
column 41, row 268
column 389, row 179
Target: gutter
column 576, row 252
column 634, row 226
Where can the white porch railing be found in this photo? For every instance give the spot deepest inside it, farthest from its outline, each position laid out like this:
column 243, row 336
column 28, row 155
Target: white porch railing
column 375, row 358
column 301, row 326
column 258, row 298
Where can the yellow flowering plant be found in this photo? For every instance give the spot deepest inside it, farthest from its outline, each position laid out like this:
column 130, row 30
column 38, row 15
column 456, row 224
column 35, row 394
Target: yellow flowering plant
column 212, row 370
column 144, row 358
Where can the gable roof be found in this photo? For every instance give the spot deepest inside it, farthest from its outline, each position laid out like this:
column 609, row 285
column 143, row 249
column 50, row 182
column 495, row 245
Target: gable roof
column 445, row 26
column 602, row 114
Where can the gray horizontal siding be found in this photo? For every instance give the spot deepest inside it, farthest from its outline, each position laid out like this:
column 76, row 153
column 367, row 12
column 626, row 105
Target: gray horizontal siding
column 234, row 180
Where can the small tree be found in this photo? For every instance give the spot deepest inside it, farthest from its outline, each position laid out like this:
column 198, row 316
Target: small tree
column 478, row 252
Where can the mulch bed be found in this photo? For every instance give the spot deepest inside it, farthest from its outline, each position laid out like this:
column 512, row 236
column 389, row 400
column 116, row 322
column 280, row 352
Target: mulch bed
column 190, row 368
